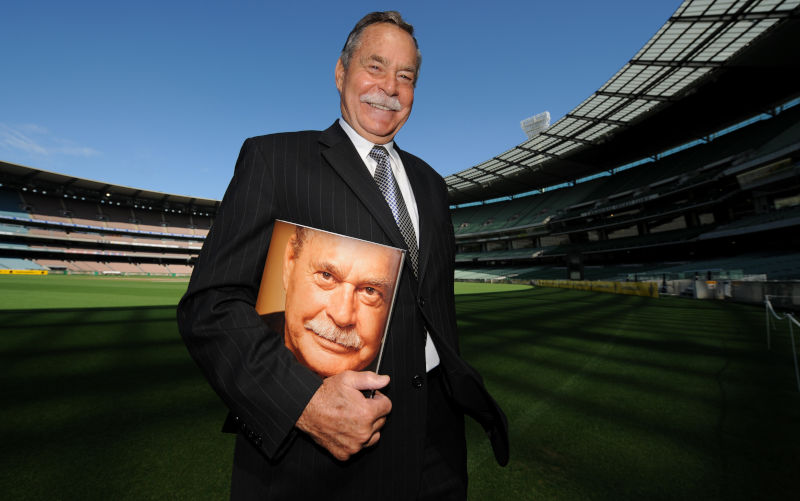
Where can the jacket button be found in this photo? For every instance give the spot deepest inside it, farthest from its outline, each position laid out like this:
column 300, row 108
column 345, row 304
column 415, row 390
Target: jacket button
column 417, row 381
column 421, row 301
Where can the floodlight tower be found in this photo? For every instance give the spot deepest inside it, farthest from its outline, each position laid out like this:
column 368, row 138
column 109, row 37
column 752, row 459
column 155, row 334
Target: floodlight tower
column 532, row 126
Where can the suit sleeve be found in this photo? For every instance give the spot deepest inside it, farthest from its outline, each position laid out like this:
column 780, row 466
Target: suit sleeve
column 249, row 367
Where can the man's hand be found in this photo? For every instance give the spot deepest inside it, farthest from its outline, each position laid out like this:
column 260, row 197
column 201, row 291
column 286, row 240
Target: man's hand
column 339, row 417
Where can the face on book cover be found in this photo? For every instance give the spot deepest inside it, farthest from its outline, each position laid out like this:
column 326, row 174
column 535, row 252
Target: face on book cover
column 338, row 294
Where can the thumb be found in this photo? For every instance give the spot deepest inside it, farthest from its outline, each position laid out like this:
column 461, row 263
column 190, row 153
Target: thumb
column 366, row 380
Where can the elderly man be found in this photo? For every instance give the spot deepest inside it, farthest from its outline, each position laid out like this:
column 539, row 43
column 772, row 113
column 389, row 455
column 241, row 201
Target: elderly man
column 301, row 436
column 338, row 297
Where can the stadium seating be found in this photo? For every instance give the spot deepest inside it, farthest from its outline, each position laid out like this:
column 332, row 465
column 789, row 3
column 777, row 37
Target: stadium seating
column 671, row 208
column 9, row 263
column 684, row 167
column 77, row 235
column 10, row 204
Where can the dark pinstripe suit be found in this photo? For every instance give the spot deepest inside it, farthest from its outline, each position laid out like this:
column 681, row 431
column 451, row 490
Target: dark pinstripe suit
column 317, row 179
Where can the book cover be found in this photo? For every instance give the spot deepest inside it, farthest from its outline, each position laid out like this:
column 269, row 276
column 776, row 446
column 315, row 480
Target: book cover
column 330, row 295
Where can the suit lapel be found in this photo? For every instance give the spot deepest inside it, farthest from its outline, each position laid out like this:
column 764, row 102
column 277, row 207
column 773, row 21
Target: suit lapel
column 343, row 157
column 424, row 199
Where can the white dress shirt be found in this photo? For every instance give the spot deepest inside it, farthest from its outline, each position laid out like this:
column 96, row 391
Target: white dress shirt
column 363, row 147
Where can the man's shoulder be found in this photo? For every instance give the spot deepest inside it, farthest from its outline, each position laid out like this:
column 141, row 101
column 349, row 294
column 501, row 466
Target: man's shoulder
column 301, row 135
column 268, row 144
column 329, row 136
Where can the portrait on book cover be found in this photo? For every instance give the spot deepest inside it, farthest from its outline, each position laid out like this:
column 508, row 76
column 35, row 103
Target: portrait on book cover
column 329, row 295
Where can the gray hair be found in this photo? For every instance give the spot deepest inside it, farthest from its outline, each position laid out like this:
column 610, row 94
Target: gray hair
column 301, row 234
column 390, row 16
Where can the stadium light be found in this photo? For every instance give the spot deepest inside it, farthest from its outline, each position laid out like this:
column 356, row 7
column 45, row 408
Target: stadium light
column 532, row 126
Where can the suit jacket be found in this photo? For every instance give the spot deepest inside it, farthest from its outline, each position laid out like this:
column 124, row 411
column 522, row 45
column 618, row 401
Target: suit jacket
column 317, row 179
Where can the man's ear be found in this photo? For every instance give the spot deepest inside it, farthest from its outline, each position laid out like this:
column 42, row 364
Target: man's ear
column 288, row 260
column 339, row 75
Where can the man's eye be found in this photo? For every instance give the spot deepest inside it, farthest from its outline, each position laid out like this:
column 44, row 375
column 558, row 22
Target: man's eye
column 371, row 296
column 326, row 276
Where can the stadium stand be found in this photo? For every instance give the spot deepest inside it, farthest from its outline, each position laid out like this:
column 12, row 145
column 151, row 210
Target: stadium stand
column 739, row 191
column 71, row 225
column 660, row 165
column 18, row 264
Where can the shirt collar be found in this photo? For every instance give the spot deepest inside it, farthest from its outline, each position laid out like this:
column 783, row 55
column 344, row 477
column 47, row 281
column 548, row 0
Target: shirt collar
column 362, row 145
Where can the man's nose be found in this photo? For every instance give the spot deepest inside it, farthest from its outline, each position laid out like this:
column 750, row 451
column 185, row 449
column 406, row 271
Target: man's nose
column 342, row 306
column 388, row 84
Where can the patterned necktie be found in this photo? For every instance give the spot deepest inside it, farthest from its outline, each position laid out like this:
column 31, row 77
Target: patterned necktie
column 388, row 186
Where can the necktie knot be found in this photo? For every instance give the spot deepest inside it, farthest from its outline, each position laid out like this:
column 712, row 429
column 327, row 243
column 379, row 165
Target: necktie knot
column 379, row 154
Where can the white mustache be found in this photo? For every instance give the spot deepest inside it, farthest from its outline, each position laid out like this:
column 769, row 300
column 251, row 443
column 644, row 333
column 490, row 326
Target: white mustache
column 348, row 338
column 378, row 98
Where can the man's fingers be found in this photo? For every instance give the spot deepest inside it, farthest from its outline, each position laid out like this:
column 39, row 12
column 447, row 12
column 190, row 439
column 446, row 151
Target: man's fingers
column 340, row 419
column 373, row 439
column 383, row 405
column 364, row 380
column 378, row 424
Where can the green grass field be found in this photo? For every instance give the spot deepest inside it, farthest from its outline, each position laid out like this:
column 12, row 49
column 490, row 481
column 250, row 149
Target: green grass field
column 608, row 397
column 82, row 291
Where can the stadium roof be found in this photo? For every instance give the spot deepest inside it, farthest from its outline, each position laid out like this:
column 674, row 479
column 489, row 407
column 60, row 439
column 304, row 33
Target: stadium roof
column 20, row 176
column 713, row 64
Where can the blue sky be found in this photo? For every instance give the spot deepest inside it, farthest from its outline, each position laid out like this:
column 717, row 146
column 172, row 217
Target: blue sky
column 160, row 95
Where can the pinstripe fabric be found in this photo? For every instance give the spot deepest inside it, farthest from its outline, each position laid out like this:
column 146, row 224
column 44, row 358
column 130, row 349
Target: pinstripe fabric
column 316, row 179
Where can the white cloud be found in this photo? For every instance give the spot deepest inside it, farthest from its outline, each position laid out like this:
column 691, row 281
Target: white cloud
column 33, row 129
column 15, row 139
column 37, row 140
column 67, row 147
column 77, row 151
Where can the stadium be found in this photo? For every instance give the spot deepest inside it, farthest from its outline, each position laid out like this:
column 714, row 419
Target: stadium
column 676, row 185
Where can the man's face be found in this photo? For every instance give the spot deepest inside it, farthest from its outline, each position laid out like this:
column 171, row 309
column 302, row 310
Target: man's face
column 338, row 293
column 377, row 89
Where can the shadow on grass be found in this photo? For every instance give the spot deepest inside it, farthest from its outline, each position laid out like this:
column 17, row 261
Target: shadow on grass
column 618, row 397
column 105, row 403
column 608, row 397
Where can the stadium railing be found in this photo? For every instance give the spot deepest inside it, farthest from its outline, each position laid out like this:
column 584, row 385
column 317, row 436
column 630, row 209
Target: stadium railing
column 792, row 321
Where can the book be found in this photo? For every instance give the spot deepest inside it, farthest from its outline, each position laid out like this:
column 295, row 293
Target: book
column 330, row 295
